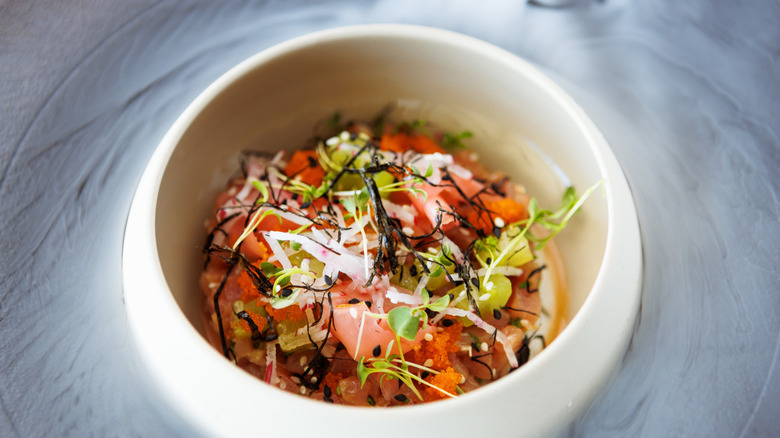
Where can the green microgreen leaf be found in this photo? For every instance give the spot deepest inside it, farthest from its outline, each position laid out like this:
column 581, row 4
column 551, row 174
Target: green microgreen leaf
column 403, row 322
column 349, row 204
column 269, row 269
column 426, row 296
column 455, row 141
column 263, row 189
column 440, row 304
column 429, row 171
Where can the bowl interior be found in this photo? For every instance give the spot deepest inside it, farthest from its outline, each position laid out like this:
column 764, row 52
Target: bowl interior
column 274, row 100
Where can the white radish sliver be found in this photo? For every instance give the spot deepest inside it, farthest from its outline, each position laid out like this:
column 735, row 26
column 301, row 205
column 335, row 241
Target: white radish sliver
column 278, row 252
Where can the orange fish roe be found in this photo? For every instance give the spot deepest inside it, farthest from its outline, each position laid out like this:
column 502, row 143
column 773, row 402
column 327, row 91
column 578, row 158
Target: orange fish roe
column 248, row 290
column 290, row 313
column 508, row 210
column 448, row 380
column 259, row 320
column 505, row 209
column 402, row 142
column 438, row 348
column 303, row 164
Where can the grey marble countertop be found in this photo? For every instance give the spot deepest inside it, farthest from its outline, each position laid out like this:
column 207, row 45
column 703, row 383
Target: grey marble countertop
column 686, row 92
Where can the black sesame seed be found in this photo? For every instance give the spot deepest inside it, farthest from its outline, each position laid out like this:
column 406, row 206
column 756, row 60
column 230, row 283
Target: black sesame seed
column 368, row 304
column 475, row 281
column 413, row 270
column 401, row 398
column 306, row 204
column 377, row 351
column 371, row 401
column 496, row 314
column 424, row 374
column 457, row 282
column 326, row 390
column 327, row 399
column 447, row 322
column 354, row 301
column 353, row 136
column 312, row 162
column 452, row 297
column 489, row 261
column 286, row 292
column 328, row 280
column 294, row 196
column 497, row 231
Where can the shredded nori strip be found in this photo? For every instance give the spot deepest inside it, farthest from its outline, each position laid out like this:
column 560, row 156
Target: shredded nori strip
column 256, row 335
column 477, row 360
column 528, row 280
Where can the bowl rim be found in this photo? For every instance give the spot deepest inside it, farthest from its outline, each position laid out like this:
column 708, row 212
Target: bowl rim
column 622, row 253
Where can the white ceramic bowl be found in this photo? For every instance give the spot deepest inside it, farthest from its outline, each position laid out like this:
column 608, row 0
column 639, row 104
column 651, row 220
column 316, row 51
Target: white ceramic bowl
column 271, row 101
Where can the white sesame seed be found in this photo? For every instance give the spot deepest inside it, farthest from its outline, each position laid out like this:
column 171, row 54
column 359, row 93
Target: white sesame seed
column 332, row 141
column 484, row 297
column 295, row 380
column 489, row 285
column 344, row 135
column 428, row 363
column 483, row 346
column 232, row 191
column 462, row 379
column 408, row 231
column 499, row 222
column 303, row 360
column 314, row 379
column 282, row 385
column 303, row 390
column 428, row 337
column 212, row 285
column 473, row 156
column 432, row 250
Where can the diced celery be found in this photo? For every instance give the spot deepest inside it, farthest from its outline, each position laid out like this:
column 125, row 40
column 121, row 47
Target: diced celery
column 489, row 297
column 288, row 340
column 315, row 266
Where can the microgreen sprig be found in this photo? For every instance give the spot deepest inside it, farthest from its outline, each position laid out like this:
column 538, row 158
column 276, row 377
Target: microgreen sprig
column 553, row 221
column 455, row 141
column 405, row 321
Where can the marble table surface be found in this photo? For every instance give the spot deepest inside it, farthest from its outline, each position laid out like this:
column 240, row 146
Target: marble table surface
column 686, row 92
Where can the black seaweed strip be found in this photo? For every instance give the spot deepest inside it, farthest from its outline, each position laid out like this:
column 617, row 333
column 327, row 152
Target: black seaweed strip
column 210, row 237
column 463, row 270
column 520, row 310
column 351, row 161
column 477, row 360
column 528, row 282
column 256, row 335
column 523, row 353
column 496, row 186
column 222, row 339
column 319, row 348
